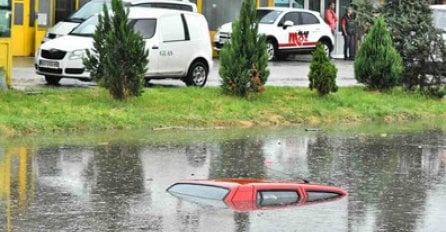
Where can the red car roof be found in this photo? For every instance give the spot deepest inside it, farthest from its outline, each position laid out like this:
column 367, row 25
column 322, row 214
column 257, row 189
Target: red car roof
column 242, row 193
column 232, row 183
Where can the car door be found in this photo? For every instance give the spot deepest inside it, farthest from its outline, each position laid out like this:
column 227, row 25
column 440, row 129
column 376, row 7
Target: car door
column 174, row 47
column 311, row 28
column 147, row 28
column 290, row 37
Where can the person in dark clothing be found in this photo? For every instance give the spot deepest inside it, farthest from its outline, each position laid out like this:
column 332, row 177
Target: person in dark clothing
column 349, row 33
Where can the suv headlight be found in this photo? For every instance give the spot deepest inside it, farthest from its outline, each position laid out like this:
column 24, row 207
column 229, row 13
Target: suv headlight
column 217, row 35
column 77, row 54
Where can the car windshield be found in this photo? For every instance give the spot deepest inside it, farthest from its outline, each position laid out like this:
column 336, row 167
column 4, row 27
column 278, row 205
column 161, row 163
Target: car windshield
column 87, row 28
column 199, row 191
column 439, row 17
column 268, row 16
column 146, row 27
column 86, row 11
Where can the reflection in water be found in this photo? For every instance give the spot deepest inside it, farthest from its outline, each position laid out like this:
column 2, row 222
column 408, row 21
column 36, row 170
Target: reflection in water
column 118, row 175
column 241, row 158
column 387, row 175
column 395, row 182
column 119, row 170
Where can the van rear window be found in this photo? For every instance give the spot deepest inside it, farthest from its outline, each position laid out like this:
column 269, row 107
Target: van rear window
column 146, row 27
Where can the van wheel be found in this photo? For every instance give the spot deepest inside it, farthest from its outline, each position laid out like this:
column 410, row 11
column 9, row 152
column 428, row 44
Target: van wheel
column 197, row 74
column 271, row 49
column 52, row 80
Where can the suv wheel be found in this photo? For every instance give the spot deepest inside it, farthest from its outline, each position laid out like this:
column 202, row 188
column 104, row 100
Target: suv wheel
column 197, row 74
column 326, row 47
column 52, row 80
column 271, row 49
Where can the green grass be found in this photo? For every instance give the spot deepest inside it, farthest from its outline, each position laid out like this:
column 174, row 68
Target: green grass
column 60, row 109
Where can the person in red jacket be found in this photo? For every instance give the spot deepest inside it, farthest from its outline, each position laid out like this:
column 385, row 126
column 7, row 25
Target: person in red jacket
column 330, row 16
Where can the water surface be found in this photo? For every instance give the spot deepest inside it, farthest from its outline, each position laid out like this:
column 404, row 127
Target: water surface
column 396, row 181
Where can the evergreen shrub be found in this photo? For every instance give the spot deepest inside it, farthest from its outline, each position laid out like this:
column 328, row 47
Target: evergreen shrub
column 244, row 59
column 119, row 59
column 378, row 64
column 322, row 72
column 419, row 43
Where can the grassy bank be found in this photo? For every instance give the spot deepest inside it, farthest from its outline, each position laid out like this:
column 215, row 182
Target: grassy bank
column 63, row 109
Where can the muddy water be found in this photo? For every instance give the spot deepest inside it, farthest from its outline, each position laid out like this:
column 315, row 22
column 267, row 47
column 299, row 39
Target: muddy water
column 396, row 181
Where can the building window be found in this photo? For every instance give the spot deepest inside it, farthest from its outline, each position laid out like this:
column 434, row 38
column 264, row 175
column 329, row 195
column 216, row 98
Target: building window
column 263, row 2
column 218, row 12
column 315, row 5
column 5, row 18
column 290, row 3
column 297, row 4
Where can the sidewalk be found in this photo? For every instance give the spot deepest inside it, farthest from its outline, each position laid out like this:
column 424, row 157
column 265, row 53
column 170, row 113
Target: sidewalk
column 292, row 72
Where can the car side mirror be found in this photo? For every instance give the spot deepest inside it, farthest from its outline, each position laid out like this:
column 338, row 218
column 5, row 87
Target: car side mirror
column 287, row 24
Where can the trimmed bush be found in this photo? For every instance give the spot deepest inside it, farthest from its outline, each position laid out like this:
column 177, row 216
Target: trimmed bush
column 378, row 64
column 419, row 43
column 119, row 59
column 244, row 60
column 322, row 73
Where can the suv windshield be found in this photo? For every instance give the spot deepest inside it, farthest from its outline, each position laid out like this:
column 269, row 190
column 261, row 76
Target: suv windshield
column 87, row 11
column 439, row 19
column 268, row 16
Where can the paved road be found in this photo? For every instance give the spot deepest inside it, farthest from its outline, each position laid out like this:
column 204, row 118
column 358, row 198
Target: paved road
column 292, row 72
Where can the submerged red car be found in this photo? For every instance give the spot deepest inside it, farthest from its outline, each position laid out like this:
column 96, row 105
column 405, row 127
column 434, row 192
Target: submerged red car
column 249, row 194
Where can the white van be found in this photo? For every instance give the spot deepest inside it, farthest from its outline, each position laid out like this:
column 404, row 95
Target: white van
column 95, row 6
column 178, row 43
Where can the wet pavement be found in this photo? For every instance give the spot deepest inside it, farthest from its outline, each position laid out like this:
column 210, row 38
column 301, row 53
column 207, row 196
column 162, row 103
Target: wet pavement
column 396, row 181
column 292, row 72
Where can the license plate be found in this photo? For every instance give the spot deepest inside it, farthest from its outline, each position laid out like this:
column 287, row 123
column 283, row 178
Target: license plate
column 49, row 64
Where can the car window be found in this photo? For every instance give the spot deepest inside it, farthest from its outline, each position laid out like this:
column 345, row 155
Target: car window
column 314, row 196
column 268, row 16
column 439, row 19
column 308, row 18
column 200, row 191
column 277, row 198
column 292, row 16
column 172, row 28
column 146, row 27
column 167, row 6
column 87, row 10
column 87, row 28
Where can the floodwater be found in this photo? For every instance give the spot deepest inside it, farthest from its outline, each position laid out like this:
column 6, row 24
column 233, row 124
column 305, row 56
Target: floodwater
column 396, row 181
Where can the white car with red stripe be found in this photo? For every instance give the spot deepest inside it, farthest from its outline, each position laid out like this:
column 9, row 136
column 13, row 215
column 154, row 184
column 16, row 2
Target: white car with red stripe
column 288, row 31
